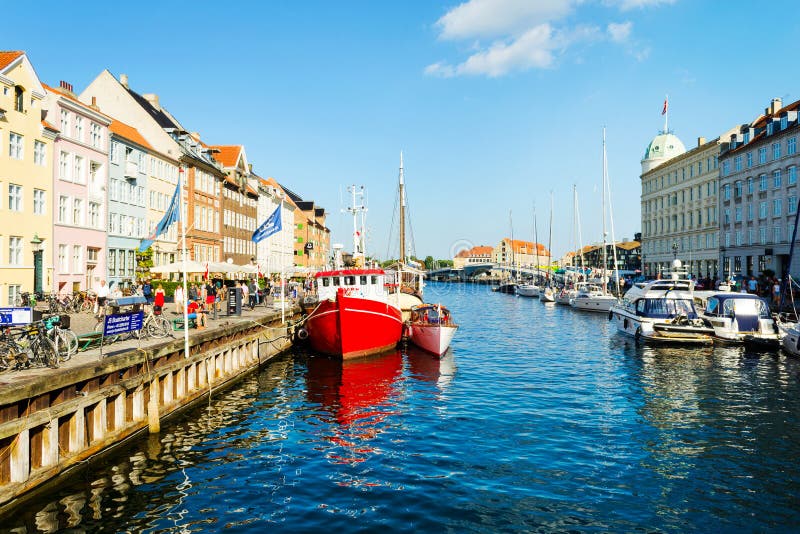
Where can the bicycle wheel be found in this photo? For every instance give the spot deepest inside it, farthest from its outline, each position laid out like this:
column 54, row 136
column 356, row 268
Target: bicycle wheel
column 86, row 306
column 159, row 326
column 107, row 339
column 67, row 344
column 45, row 352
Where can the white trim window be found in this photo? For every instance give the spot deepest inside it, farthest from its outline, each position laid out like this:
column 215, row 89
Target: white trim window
column 64, row 121
column 79, row 168
column 94, row 215
column 77, row 258
column 97, row 138
column 79, row 128
column 77, row 212
column 63, row 259
column 63, row 208
column 15, row 197
column 63, row 166
column 114, row 156
column 14, row 250
column 16, row 146
column 39, row 153
column 39, row 202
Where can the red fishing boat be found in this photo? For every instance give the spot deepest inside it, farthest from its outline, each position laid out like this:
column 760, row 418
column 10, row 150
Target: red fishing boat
column 355, row 315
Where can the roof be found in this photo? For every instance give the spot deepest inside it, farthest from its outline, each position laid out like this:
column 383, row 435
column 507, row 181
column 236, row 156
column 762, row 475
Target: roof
column 158, row 115
column 69, row 95
column 349, row 272
column 228, row 155
column 6, row 57
column 628, row 245
column 128, row 132
column 49, row 126
column 664, row 146
column 529, row 246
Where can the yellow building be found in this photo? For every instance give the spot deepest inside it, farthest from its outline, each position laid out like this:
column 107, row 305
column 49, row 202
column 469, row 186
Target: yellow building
column 26, row 180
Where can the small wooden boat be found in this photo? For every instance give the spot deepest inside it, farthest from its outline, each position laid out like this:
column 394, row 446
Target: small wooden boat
column 431, row 328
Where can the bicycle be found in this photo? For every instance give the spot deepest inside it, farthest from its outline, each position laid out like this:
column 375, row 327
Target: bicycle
column 29, row 345
column 65, row 340
column 154, row 325
column 25, row 300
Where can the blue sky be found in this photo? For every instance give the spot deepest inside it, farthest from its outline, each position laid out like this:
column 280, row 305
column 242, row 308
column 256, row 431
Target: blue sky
column 495, row 103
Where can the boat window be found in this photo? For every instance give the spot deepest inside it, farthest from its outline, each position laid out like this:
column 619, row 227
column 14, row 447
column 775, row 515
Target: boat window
column 640, row 307
column 326, row 282
column 712, row 305
column 742, row 307
column 349, row 280
column 668, row 308
column 363, row 280
column 336, row 281
column 374, row 279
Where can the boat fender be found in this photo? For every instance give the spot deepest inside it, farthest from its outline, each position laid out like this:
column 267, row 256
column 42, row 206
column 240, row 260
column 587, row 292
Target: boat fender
column 610, row 315
column 302, row 334
column 638, row 335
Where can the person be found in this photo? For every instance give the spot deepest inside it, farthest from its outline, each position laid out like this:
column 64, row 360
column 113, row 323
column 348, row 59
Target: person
column 211, row 295
column 116, row 292
column 245, row 291
column 102, row 297
column 776, row 292
column 195, row 311
column 147, row 291
column 253, row 292
column 752, row 285
column 179, row 299
column 192, row 292
column 158, row 300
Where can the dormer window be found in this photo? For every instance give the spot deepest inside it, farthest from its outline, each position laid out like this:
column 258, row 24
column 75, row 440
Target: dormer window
column 746, row 137
column 784, row 122
column 769, row 128
column 19, row 99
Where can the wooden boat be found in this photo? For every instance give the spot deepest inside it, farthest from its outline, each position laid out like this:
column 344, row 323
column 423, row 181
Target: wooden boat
column 431, row 328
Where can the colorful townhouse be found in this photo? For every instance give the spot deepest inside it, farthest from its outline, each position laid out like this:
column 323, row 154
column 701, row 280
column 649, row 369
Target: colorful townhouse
column 275, row 253
column 200, row 174
column 79, row 184
column 26, row 180
column 311, row 236
column 239, row 205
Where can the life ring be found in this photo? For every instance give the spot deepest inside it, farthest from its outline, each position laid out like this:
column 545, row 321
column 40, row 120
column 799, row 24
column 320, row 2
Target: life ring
column 302, row 334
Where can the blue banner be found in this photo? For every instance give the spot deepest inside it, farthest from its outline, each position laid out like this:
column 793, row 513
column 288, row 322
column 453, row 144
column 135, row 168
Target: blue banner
column 15, row 316
column 122, row 322
column 271, row 226
column 173, row 214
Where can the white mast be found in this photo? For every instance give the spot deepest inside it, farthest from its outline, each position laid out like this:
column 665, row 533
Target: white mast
column 402, row 214
column 603, row 194
column 358, row 237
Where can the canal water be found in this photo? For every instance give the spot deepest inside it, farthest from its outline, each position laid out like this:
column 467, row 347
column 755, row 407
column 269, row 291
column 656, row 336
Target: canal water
column 539, row 419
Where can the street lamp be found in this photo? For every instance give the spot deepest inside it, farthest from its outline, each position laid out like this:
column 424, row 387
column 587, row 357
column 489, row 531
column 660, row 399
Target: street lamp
column 36, row 245
column 674, row 251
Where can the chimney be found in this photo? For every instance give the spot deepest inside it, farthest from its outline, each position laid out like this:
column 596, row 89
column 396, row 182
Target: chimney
column 701, row 141
column 94, row 105
column 66, row 87
column 774, row 106
column 123, row 79
column 153, row 99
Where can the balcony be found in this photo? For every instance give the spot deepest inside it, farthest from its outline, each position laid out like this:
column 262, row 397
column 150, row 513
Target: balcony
column 131, row 169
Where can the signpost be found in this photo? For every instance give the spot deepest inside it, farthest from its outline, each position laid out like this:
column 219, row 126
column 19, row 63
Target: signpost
column 120, row 323
column 15, row 316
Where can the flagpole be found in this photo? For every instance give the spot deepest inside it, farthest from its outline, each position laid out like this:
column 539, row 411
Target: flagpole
column 183, row 260
column 666, row 114
column 283, row 269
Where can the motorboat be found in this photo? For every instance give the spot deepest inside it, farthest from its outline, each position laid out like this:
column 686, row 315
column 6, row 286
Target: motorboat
column 565, row 295
column 508, row 287
column 528, row 290
column 662, row 311
column 431, row 328
column 548, row 294
column 790, row 337
column 591, row 297
column 742, row 318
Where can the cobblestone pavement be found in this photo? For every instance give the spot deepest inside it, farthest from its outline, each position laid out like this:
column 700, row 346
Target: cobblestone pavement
column 82, row 323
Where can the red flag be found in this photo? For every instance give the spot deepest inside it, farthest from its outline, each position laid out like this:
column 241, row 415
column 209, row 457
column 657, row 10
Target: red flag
column 666, row 106
column 206, row 273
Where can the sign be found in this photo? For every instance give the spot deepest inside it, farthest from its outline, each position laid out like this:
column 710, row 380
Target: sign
column 119, row 323
column 15, row 316
column 309, row 246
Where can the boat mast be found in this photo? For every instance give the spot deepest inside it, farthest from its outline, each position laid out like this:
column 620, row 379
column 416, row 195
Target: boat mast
column 511, row 223
column 358, row 237
column 402, row 214
column 550, row 242
column 603, row 194
column 786, row 279
column 536, row 244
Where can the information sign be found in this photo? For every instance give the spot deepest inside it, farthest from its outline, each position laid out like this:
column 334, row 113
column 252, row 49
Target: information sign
column 119, row 323
column 15, row 316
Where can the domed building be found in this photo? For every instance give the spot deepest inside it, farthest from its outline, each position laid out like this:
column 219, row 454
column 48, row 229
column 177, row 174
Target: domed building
column 663, row 147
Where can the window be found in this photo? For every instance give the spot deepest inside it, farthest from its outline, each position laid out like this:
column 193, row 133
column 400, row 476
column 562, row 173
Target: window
column 77, row 258
column 19, row 99
column 791, row 146
column 738, row 214
column 97, row 139
column 749, row 159
column 92, row 254
column 737, row 189
column 762, row 182
column 762, row 154
column 38, row 202
column 792, row 175
column 77, row 211
column 112, row 262
column 726, row 168
column 737, row 163
column 791, row 205
column 15, row 250
column 777, row 207
column 750, row 186
column 62, row 209
column 79, row 128
column 63, row 260
column 776, row 179
column 114, row 152
column 762, row 209
column 64, row 121
column 726, row 191
column 784, row 122
column 114, row 223
column 78, row 177
column 749, row 212
column 94, row 214
column 776, row 234
column 63, row 166
column 738, row 238
column 16, row 146
column 726, row 216
column 762, row 235
column 39, row 153
column 769, row 128
column 727, row 239
column 776, row 150
column 14, row 197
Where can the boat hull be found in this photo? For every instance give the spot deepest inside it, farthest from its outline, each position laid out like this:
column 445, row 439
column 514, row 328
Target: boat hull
column 509, row 289
column 660, row 331
column 349, row 327
column 432, row 338
column 526, row 290
column 593, row 304
column 547, row 295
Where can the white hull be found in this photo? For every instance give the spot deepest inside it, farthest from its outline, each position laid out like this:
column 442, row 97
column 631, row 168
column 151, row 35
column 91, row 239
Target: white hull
column 565, row 297
column 596, row 304
column 528, row 290
column 791, row 338
column 547, row 295
column 659, row 330
column 432, row 338
column 405, row 301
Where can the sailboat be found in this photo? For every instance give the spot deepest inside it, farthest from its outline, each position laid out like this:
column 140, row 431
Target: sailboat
column 593, row 297
column 548, row 293
column 509, row 286
column 570, row 289
column 356, row 316
column 530, row 289
column 405, row 281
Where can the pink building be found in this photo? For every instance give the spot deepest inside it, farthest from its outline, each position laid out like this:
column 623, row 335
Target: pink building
column 79, row 190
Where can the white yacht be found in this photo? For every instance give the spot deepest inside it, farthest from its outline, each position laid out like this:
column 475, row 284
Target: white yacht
column 662, row 311
column 591, row 297
column 741, row 318
column 528, row 290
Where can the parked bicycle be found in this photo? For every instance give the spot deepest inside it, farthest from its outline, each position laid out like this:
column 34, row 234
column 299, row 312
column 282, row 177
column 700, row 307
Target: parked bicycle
column 154, row 325
column 64, row 339
column 26, row 346
column 25, row 300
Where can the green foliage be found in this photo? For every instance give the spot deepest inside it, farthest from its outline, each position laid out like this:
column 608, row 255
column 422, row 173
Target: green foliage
column 144, row 262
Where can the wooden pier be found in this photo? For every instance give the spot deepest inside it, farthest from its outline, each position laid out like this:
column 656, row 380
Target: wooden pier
column 53, row 422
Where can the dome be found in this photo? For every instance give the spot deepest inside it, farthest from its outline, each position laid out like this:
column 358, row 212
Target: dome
column 663, row 147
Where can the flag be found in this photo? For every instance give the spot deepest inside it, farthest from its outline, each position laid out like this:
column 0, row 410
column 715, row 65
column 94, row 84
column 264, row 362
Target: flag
column 172, row 215
column 205, row 275
column 271, row 226
column 666, row 106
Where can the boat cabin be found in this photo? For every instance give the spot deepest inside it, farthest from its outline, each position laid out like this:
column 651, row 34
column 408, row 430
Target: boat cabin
column 430, row 314
column 665, row 308
column 361, row 283
column 737, row 305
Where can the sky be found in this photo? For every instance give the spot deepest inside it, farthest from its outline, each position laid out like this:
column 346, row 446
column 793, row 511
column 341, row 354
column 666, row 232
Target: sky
column 495, row 104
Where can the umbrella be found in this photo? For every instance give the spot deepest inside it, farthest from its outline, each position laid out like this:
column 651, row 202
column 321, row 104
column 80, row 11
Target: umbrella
column 177, row 267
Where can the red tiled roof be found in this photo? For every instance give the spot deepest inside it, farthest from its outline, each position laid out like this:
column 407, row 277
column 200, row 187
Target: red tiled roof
column 481, row 251
column 71, row 97
column 50, row 126
column 529, row 246
column 6, row 57
column 228, row 155
column 128, row 132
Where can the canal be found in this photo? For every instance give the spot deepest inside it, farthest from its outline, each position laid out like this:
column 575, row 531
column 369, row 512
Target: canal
column 540, row 418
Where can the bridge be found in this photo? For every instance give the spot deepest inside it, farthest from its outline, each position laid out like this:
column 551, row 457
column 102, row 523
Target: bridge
column 471, row 271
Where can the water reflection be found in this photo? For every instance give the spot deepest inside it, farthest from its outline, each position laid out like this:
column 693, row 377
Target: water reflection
column 430, row 368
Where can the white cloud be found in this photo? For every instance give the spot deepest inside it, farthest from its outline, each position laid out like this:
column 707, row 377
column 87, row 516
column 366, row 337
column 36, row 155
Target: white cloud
column 619, row 33
column 627, row 5
column 493, row 18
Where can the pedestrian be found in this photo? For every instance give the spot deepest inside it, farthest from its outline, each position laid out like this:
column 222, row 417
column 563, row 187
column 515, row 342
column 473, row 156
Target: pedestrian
column 102, row 297
column 158, row 301
column 245, row 292
column 147, row 291
column 211, row 295
column 192, row 292
column 752, row 285
column 179, row 299
column 253, row 291
column 776, row 291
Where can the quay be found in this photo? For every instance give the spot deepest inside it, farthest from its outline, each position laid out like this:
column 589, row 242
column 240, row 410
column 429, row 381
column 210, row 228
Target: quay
column 52, row 421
